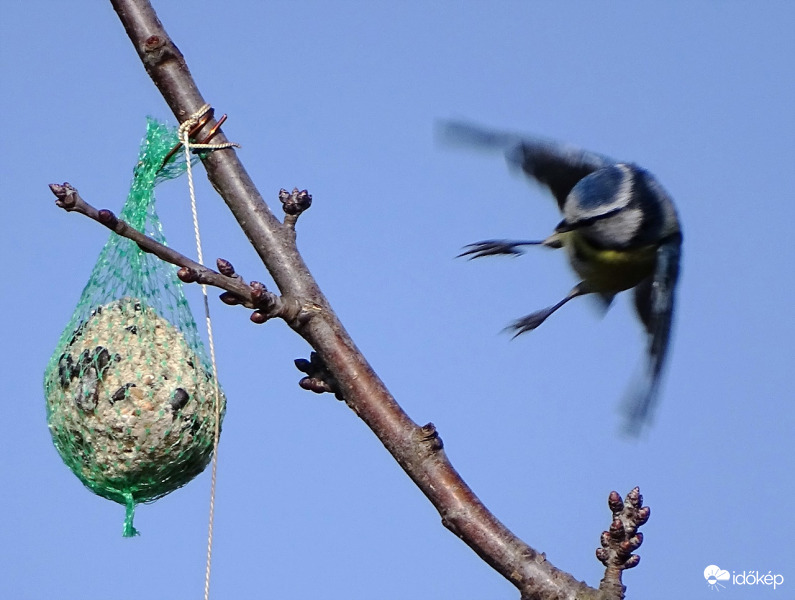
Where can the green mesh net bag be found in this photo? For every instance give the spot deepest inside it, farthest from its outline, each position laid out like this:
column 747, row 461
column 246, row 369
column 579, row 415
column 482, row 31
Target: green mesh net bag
column 131, row 397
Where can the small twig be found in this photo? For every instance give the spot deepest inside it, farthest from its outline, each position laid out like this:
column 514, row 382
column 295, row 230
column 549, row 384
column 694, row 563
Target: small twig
column 294, row 203
column 318, row 378
column 621, row 540
column 266, row 305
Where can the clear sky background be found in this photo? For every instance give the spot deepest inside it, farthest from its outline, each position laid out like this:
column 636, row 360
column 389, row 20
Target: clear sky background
column 341, row 98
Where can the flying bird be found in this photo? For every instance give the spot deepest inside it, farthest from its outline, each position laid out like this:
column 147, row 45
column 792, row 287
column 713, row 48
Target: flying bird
column 619, row 229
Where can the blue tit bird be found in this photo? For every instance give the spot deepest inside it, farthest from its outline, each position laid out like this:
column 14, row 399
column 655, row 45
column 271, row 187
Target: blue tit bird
column 620, row 231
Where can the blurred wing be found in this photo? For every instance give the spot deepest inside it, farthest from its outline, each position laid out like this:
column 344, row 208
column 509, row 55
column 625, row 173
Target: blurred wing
column 557, row 166
column 654, row 302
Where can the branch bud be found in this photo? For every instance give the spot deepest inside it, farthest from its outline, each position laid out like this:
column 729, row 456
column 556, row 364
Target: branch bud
column 107, row 218
column 615, row 503
column 258, row 291
column 632, row 561
column 295, row 202
column 187, row 275
column 229, row 298
column 616, row 529
column 258, row 317
column 634, row 497
column 225, row 267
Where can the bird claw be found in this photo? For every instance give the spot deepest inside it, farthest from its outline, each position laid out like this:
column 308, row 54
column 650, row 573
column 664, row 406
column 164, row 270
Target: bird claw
column 528, row 322
column 492, row 248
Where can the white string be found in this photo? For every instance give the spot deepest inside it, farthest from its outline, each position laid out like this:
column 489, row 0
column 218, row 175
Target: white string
column 183, row 132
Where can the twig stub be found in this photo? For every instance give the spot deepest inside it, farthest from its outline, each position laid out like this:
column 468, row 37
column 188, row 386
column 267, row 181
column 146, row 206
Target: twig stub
column 621, row 539
column 318, row 378
column 295, row 202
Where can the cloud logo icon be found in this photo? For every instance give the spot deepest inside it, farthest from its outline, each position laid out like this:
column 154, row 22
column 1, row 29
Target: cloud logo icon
column 714, row 575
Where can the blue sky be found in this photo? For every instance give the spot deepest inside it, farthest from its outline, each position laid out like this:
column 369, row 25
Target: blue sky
column 341, row 99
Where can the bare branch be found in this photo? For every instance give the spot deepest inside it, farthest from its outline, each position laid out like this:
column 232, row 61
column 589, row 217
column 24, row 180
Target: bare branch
column 253, row 296
column 418, row 450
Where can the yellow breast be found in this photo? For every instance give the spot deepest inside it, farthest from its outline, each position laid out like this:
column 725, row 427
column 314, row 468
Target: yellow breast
column 609, row 270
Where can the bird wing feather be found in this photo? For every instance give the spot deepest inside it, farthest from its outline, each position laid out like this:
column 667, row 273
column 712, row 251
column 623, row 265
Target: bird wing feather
column 557, row 166
column 654, row 303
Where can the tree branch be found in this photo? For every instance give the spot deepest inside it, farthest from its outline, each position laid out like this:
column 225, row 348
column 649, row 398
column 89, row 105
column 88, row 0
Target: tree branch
column 255, row 296
column 418, row 450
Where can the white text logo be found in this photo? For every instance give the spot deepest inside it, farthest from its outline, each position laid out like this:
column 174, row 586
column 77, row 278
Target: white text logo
column 718, row 578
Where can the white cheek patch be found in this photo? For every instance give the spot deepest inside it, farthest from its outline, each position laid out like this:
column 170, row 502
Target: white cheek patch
column 624, row 195
column 616, row 230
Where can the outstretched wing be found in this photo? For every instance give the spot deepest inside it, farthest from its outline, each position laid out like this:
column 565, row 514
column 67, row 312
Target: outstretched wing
column 557, row 166
column 654, row 302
